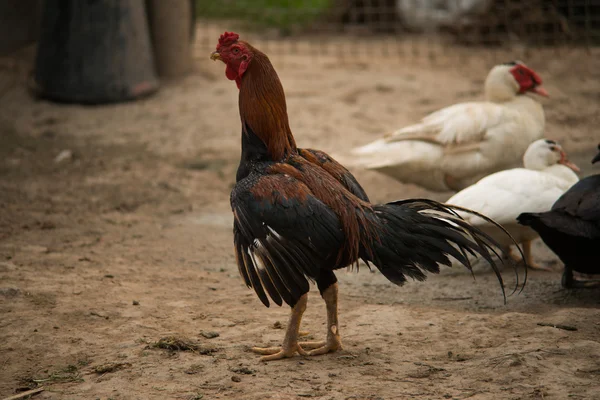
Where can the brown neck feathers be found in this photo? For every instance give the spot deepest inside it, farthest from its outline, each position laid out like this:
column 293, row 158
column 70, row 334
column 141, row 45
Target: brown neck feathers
column 263, row 107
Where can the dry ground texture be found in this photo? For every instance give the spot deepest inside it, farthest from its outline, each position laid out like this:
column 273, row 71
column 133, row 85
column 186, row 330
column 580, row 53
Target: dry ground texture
column 118, row 279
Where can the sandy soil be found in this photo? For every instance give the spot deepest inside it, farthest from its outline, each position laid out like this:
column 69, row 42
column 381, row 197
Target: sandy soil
column 129, row 241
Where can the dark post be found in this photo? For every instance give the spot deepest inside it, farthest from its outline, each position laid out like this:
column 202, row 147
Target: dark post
column 94, row 51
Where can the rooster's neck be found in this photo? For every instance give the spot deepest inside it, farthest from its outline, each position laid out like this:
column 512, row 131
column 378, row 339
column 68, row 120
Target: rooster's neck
column 263, row 108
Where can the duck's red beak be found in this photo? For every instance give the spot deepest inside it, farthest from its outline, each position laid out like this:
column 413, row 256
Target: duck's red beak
column 565, row 161
column 540, row 90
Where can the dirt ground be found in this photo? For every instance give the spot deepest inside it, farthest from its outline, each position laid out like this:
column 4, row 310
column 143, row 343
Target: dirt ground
column 128, row 241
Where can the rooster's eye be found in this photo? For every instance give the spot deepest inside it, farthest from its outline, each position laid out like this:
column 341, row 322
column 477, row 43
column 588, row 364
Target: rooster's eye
column 236, row 50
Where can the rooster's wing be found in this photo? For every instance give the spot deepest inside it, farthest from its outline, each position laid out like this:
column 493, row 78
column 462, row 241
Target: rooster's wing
column 283, row 236
column 335, row 169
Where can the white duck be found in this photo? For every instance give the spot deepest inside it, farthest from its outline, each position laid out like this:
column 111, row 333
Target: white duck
column 458, row 145
column 504, row 195
column 423, row 15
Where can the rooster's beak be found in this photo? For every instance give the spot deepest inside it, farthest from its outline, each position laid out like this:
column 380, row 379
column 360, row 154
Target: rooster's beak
column 215, row 56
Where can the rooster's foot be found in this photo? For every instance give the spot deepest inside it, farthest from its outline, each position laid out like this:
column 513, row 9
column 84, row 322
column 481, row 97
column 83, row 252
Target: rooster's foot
column 331, row 345
column 313, row 345
column 278, row 353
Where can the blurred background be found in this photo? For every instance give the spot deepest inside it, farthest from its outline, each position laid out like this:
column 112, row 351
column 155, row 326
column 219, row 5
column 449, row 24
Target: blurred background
column 119, row 142
column 427, row 28
column 438, row 31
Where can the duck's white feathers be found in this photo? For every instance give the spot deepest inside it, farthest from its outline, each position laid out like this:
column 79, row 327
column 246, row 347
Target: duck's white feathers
column 506, row 194
column 456, row 146
column 458, row 124
column 502, row 196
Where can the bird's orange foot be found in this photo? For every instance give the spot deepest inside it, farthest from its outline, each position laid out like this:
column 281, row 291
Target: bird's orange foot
column 529, row 257
column 277, row 353
column 534, row 265
column 516, row 258
column 331, row 345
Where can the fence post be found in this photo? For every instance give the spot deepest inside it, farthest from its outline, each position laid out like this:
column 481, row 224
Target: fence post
column 171, row 24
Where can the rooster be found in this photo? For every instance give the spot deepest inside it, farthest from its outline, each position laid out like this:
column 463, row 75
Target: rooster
column 299, row 215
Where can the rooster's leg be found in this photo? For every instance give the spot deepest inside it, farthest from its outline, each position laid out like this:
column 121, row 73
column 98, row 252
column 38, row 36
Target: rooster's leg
column 528, row 257
column 334, row 341
column 290, row 342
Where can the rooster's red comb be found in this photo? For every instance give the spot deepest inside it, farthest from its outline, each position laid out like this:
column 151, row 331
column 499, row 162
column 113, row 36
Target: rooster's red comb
column 228, row 38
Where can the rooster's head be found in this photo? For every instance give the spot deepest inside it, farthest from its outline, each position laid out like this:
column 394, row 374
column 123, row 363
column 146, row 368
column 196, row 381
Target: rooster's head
column 235, row 54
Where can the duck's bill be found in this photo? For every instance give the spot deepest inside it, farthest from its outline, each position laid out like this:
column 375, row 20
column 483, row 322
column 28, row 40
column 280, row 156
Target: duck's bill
column 569, row 164
column 541, row 91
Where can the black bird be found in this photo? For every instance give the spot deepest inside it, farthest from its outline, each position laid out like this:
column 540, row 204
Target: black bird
column 571, row 229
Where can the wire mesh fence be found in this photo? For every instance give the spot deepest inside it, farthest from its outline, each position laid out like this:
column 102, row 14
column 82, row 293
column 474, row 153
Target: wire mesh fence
column 433, row 30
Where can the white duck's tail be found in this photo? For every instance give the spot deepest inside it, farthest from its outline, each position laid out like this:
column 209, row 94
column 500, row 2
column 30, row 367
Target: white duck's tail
column 381, row 153
column 410, row 161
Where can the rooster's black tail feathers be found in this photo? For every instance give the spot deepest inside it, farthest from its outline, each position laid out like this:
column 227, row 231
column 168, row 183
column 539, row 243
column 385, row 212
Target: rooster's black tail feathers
column 417, row 235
